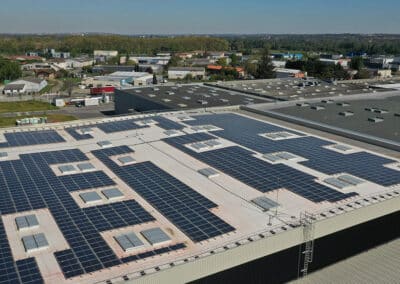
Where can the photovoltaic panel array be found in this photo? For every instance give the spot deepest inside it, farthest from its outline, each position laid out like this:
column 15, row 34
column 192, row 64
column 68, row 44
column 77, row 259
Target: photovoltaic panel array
column 73, row 131
column 167, row 124
column 30, row 183
column 28, row 138
column 118, row 126
column 117, row 215
column 183, row 206
column 240, row 164
column 11, row 271
column 246, row 132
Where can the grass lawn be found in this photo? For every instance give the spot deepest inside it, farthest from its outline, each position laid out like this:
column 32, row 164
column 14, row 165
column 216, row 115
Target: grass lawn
column 51, row 118
column 25, row 106
column 48, row 88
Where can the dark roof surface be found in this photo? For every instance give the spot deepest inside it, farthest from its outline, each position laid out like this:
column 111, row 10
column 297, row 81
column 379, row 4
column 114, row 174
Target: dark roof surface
column 192, row 96
column 389, row 128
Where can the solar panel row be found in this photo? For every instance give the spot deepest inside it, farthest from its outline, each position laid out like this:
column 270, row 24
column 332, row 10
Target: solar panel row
column 21, row 271
column 17, row 139
column 183, row 206
column 246, row 132
column 118, row 126
column 30, row 183
column 116, row 215
column 167, row 124
column 153, row 252
column 73, row 131
column 240, row 164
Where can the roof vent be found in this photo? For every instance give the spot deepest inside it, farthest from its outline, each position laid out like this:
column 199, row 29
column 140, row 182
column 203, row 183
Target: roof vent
column 346, row 113
column 317, row 108
column 376, row 119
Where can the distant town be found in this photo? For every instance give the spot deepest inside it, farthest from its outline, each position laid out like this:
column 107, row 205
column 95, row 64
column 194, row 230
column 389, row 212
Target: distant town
column 89, row 69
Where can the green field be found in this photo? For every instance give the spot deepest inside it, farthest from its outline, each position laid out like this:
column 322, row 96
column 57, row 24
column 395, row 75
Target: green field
column 51, row 118
column 25, row 106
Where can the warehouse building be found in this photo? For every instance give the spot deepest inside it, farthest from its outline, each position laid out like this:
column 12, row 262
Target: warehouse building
column 288, row 89
column 25, row 86
column 367, row 118
column 178, row 73
column 120, row 79
column 203, row 197
column 183, row 97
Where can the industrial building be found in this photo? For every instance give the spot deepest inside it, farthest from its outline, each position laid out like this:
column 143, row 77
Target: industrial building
column 150, row 60
column 176, row 73
column 25, row 86
column 208, row 197
column 288, row 89
column 188, row 96
column 120, row 79
column 369, row 117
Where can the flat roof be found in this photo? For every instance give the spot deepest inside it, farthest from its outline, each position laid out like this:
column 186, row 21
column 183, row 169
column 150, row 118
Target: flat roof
column 191, row 96
column 164, row 189
column 293, row 88
column 387, row 108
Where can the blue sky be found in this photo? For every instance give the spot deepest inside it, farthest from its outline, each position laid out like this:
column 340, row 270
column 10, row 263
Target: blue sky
column 204, row 16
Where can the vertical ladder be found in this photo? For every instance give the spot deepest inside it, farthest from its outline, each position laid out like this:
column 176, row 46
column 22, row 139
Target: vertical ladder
column 307, row 221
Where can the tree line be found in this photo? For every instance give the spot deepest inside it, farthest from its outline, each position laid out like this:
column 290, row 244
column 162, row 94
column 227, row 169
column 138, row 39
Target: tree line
column 9, row 70
column 124, row 44
column 335, row 43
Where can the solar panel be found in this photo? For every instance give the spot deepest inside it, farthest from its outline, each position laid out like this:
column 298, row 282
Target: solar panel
column 240, row 164
column 31, row 138
column 119, row 126
column 246, row 132
column 79, row 133
column 155, row 236
column 167, row 194
column 28, row 271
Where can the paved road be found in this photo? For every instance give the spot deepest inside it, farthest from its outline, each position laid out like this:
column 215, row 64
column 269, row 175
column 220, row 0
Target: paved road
column 89, row 112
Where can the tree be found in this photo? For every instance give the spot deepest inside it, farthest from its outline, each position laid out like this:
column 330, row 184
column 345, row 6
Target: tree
column 357, row 63
column 362, row 74
column 149, row 70
column 265, row 68
column 155, row 81
column 188, row 77
column 250, row 68
column 222, row 61
column 174, row 61
column 234, row 60
column 9, row 70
